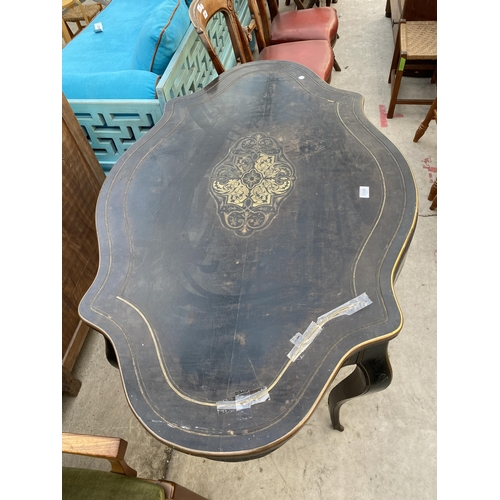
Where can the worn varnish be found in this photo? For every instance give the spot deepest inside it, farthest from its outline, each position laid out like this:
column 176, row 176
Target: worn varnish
column 230, row 227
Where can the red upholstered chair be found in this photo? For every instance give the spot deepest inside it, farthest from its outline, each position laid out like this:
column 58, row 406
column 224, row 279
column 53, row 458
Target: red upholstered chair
column 297, row 25
column 317, row 55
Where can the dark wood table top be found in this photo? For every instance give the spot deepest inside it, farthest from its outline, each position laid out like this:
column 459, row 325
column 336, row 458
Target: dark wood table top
column 253, row 208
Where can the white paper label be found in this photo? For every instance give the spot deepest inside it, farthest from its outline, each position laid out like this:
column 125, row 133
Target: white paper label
column 364, row 192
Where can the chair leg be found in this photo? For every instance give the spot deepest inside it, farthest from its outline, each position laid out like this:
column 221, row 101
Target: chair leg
column 395, row 58
column 388, row 8
column 67, row 34
column 434, row 76
column 174, row 491
column 434, row 203
column 425, row 124
column 335, row 63
column 433, row 196
column 395, row 84
column 421, row 131
column 393, row 75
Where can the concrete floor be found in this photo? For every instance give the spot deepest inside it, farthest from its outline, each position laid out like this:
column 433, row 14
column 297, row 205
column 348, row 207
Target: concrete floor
column 388, row 447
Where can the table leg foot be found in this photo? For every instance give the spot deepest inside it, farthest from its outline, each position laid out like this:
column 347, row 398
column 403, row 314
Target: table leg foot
column 373, row 373
column 70, row 385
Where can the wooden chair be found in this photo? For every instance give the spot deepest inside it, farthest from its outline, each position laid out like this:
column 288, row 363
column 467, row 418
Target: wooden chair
column 79, row 14
column 121, row 483
column 297, row 25
column 317, row 55
column 416, row 49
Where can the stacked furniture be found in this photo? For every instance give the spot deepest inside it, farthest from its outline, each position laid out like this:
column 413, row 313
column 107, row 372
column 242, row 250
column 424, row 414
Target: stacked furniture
column 319, row 23
column 117, row 81
column 306, row 37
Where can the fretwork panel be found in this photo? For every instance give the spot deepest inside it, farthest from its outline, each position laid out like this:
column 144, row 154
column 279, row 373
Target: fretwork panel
column 111, row 133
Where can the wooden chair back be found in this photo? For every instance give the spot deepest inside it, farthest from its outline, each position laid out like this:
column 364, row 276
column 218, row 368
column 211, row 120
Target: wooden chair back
column 202, row 11
column 261, row 11
column 273, row 8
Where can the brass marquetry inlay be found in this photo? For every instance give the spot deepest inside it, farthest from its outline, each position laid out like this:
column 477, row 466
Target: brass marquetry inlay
column 250, row 184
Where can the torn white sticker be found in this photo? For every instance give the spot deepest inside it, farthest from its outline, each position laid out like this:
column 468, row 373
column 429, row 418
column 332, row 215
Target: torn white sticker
column 350, row 307
column 302, row 341
column 244, row 401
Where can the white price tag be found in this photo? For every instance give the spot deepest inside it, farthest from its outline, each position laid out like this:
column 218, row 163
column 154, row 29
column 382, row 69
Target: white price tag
column 364, row 192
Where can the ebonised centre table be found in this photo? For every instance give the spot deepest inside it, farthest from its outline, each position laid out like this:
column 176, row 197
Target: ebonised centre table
column 249, row 244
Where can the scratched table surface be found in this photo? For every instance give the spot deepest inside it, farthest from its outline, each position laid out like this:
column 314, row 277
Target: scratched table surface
column 249, row 245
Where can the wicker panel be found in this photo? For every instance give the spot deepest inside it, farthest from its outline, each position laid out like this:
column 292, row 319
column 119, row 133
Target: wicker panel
column 419, row 39
column 75, row 13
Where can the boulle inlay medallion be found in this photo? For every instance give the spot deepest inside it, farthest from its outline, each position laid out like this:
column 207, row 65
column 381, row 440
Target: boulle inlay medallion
column 250, row 184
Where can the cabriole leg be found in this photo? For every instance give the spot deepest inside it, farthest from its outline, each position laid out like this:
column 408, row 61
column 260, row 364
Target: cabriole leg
column 373, row 373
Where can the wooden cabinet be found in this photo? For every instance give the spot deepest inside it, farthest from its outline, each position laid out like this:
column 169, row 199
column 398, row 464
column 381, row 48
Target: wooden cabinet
column 411, row 10
column 82, row 178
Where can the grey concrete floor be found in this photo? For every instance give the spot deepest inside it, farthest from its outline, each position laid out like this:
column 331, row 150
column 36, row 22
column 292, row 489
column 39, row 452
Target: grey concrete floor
column 389, row 446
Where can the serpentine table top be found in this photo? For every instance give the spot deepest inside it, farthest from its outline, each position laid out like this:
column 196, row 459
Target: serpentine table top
column 249, row 244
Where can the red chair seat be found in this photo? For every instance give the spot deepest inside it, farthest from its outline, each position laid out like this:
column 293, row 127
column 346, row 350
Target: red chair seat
column 317, row 55
column 308, row 24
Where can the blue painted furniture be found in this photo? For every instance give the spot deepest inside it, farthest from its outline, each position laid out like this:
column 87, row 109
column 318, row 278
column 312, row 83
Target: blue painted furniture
column 111, row 121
